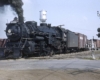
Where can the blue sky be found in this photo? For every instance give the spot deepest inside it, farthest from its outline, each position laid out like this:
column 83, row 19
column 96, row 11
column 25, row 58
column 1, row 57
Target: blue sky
column 77, row 15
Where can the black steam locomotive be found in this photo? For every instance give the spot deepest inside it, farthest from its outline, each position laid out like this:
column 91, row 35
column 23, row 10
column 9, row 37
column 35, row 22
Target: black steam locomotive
column 27, row 39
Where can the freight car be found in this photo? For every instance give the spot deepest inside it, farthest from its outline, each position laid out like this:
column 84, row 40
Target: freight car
column 98, row 44
column 82, row 41
column 72, row 41
column 76, row 42
column 2, row 45
column 3, row 42
column 85, row 41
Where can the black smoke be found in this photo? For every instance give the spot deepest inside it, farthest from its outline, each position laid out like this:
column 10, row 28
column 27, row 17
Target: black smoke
column 16, row 5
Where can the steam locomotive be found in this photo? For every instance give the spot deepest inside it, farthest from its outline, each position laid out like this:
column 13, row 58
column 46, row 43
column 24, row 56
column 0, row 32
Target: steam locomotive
column 28, row 39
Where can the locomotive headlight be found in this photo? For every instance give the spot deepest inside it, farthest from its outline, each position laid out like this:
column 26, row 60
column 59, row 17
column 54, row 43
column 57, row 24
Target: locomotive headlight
column 9, row 31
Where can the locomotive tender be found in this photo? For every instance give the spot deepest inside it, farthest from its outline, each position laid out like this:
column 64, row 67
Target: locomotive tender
column 27, row 39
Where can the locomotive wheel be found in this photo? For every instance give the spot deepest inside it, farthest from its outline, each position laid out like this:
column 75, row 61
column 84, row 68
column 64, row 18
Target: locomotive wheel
column 51, row 53
column 17, row 56
column 21, row 55
column 48, row 51
column 25, row 55
column 42, row 54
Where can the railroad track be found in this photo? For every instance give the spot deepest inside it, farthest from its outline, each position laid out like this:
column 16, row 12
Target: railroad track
column 62, row 56
column 59, row 56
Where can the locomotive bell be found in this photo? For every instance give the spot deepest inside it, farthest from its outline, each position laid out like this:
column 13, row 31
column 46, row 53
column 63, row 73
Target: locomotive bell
column 43, row 16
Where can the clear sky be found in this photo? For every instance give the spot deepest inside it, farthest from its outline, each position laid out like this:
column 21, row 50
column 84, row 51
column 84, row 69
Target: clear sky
column 76, row 15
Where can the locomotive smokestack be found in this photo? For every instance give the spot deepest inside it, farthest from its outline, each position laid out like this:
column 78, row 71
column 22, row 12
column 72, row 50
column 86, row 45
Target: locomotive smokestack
column 16, row 5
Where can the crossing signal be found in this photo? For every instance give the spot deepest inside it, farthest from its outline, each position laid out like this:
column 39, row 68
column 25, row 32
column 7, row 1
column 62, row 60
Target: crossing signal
column 98, row 32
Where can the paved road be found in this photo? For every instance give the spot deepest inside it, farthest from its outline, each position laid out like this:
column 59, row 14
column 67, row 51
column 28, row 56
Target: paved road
column 49, row 64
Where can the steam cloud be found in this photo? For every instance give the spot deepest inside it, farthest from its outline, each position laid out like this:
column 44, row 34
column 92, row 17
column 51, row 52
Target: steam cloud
column 16, row 5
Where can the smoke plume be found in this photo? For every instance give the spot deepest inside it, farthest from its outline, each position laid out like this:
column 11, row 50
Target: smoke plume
column 16, row 5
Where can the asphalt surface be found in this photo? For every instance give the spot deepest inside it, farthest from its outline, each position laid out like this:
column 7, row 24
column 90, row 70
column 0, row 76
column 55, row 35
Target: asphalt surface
column 34, row 64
